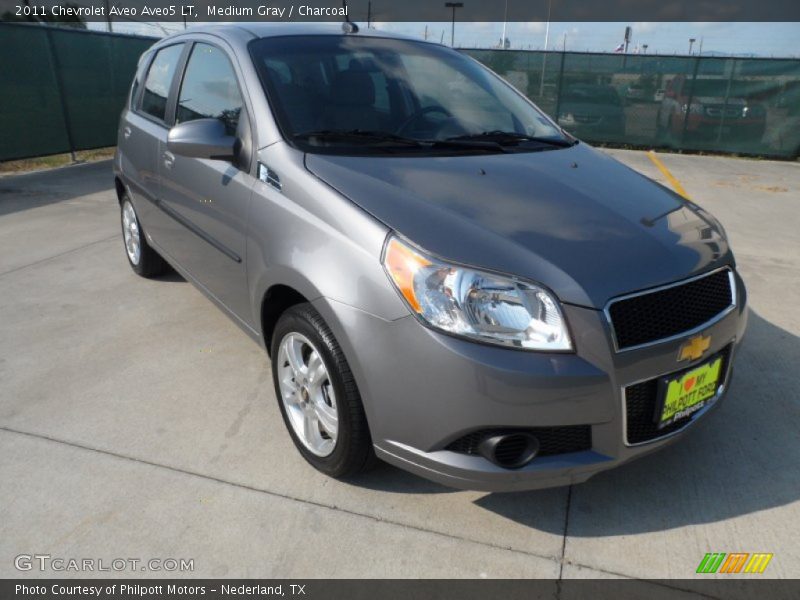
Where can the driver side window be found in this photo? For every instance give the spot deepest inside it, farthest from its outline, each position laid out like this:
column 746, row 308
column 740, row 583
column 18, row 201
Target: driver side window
column 210, row 89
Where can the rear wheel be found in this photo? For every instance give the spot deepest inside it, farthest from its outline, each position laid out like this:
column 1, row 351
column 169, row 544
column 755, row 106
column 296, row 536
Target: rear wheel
column 143, row 259
column 317, row 395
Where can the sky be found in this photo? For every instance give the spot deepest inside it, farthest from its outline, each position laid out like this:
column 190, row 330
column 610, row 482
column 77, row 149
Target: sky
column 747, row 39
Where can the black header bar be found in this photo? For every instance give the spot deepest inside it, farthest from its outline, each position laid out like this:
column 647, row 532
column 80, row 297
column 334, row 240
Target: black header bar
column 404, row 10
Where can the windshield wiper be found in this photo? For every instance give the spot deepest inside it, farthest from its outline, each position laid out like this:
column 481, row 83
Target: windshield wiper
column 512, row 137
column 386, row 137
column 360, row 135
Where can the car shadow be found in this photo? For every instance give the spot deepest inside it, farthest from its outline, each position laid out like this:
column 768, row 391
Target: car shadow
column 388, row 478
column 743, row 458
column 41, row 188
column 170, row 276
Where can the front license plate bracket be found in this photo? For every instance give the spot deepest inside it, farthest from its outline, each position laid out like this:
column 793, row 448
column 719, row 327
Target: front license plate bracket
column 682, row 394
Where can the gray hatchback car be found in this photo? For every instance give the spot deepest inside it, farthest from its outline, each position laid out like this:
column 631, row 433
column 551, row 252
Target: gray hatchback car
column 442, row 277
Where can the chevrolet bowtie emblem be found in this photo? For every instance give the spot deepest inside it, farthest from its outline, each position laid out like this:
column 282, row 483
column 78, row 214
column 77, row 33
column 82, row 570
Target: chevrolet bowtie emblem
column 694, row 348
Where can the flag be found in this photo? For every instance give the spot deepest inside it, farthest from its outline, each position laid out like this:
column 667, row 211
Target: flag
column 619, row 48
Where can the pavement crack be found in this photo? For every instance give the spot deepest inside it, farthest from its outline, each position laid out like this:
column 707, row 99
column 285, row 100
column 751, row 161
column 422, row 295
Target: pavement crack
column 252, row 488
column 289, row 497
column 564, row 544
column 49, row 258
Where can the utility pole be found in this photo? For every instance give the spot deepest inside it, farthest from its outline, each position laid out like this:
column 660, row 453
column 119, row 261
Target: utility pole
column 546, row 43
column 454, row 6
column 505, row 20
column 369, row 14
column 691, row 44
column 108, row 16
column 547, row 28
column 426, row 33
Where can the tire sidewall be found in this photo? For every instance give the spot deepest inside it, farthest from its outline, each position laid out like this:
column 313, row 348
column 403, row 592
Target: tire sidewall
column 295, row 322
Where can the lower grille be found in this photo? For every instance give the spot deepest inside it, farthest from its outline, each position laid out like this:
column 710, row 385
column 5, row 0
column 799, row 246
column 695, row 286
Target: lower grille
column 552, row 440
column 641, row 401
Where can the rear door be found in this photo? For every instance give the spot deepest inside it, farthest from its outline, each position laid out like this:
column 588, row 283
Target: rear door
column 210, row 198
column 143, row 130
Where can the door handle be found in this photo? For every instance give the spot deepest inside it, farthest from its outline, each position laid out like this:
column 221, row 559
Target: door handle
column 126, row 133
column 169, row 159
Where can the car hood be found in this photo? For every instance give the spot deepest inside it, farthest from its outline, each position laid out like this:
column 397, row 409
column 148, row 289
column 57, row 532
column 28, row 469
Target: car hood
column 573, row 219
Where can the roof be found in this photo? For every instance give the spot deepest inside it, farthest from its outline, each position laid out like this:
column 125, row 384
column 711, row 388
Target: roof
column 264, row 30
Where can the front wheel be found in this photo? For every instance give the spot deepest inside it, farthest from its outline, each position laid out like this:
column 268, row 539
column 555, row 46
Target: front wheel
column 317, row 395
column 143, row 259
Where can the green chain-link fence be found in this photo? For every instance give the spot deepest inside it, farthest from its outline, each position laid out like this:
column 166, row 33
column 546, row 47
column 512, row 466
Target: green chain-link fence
column 62, row 90
column 740, row 105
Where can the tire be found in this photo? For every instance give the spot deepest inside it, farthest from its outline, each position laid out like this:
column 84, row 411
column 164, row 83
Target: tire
column 144, row 261
column 348, row 451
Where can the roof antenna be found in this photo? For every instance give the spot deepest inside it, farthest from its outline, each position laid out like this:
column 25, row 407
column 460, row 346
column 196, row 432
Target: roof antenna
column 348, row 26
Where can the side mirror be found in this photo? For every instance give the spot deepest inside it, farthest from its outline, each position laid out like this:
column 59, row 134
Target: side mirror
column 202, row 138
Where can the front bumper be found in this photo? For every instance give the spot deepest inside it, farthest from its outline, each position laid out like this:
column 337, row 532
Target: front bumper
column 422, row 390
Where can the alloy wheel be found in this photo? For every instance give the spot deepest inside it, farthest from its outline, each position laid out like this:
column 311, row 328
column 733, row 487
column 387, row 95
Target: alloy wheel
column 131, row 233
column 307, row 394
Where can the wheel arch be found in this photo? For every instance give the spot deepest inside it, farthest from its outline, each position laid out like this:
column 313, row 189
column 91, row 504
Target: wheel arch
column 120, row 187
column 277, row 299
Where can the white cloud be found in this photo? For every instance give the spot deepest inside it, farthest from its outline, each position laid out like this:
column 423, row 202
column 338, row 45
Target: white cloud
column 535, row 26
column 645, row 26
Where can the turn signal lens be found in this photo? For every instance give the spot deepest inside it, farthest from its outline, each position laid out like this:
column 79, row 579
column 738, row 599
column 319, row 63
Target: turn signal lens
column 403, row 263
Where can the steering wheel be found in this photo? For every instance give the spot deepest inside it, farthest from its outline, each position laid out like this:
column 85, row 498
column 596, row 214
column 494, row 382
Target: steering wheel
column 421, row 113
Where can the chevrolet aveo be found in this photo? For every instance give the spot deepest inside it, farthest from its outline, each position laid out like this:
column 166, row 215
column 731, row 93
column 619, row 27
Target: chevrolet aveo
column 442, row 277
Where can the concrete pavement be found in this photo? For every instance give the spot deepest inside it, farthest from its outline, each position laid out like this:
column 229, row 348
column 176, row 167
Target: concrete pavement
column 136, row 420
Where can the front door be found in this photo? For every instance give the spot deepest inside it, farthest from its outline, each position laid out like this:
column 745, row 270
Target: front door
column 210, row 198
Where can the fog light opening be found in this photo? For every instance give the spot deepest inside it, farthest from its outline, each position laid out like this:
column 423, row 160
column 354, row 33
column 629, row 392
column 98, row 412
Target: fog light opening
column 510, row 450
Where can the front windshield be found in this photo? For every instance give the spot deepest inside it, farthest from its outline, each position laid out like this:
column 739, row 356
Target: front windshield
column 336, row 93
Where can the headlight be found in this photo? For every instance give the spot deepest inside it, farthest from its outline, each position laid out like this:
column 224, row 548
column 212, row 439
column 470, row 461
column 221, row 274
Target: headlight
column 476, row 304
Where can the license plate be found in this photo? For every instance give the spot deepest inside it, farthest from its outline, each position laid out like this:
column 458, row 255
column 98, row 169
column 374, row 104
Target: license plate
column 688, row 392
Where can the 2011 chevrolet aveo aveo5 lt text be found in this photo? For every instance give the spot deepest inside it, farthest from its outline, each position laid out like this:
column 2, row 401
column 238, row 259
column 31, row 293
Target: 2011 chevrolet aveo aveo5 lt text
column 442, row 277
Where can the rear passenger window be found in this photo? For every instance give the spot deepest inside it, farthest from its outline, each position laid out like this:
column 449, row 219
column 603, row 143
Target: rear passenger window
column 159, row 78
column 210, row 89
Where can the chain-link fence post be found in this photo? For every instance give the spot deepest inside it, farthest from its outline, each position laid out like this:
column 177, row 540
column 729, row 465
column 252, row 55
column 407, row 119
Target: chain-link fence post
column 60, row 89
column 689, row 99
column 725, row 103
column 559, row 85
